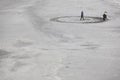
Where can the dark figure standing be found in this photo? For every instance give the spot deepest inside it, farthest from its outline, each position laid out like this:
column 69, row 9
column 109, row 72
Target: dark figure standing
column 104, row 16
column 82, row 16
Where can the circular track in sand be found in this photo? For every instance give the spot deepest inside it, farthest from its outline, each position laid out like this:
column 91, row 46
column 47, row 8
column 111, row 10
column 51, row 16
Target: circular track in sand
column 76, row 19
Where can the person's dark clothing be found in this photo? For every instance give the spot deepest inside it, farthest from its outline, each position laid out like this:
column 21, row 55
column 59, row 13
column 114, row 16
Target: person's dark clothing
column 104, row 17
column 82, row 16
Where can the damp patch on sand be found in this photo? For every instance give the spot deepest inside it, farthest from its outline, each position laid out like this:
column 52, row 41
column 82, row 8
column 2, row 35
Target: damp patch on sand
column 23, row 43
column 4, row 54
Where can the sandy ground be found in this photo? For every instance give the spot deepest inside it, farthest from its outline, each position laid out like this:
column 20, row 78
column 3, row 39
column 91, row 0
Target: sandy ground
column 34, row 48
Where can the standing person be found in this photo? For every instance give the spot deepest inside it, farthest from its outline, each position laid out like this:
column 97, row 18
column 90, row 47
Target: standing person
column 104, row 16
column 82, row 15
